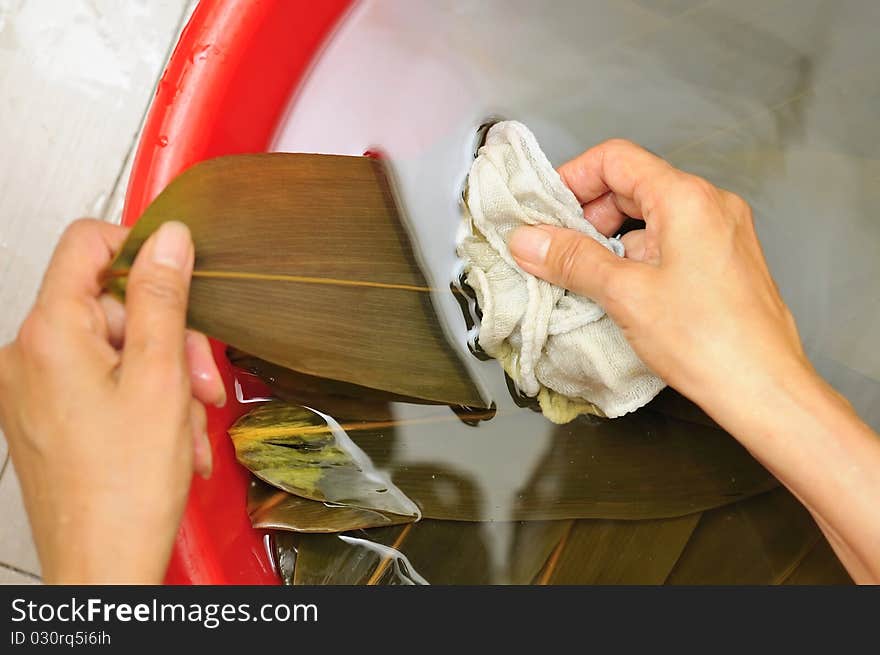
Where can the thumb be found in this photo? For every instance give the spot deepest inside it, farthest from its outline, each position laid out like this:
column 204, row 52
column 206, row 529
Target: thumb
column 155, row 305
column 566, row 258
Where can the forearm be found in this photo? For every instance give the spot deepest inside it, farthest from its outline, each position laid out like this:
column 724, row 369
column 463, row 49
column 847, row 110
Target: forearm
column 810, row 438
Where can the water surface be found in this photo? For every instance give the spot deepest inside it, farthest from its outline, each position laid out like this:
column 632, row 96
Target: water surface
column 776, row 101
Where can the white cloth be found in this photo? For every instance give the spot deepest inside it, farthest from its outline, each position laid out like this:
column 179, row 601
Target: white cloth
column 555, row 345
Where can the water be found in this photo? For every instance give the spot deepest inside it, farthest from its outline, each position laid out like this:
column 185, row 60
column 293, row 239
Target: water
column 773, row 100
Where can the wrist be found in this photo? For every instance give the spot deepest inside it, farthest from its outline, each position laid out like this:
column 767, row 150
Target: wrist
column 742, row 398
column 812, row 440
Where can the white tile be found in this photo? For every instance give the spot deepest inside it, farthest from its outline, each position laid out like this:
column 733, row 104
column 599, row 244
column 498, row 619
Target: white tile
column 11, row 576
column 16, row 544
column 76, row 77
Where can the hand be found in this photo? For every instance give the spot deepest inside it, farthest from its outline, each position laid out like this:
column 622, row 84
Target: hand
column 695, row 299
column 102, row 407
column 694, row 295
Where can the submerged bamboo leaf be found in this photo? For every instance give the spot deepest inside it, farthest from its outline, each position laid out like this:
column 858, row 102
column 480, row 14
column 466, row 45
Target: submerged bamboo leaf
column 355, row 558
column 274, row 509
column 449, row 552
column 759, row 541
column 303, row 260
column 819, row 567
column 644, row 465
column 532, row 546
column 619, row 552
column 467, row 553
column 342, row 400
column 641, row 466
column 284, row 550
column 434, row 552
column 671, row 403
column 309, row 455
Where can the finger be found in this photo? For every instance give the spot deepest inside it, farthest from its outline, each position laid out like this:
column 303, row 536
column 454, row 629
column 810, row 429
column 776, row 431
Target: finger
column 567, row 258
column 207, row 385
column 635, row 245
column 604, row 214
column 635, row 176
column 114, row 318
column 203, row 458
column 83, row 252
column 156, row 297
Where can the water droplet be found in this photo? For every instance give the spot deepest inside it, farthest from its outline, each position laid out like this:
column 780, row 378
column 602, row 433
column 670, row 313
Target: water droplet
column 163, row 141
column 201, row 52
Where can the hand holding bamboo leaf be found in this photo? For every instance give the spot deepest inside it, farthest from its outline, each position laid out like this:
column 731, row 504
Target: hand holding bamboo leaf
column 103, row 408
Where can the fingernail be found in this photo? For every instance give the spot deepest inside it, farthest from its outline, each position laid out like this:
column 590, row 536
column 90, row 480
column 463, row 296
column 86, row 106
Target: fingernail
column 221, row 400
column 529, row 244
column 172, row 245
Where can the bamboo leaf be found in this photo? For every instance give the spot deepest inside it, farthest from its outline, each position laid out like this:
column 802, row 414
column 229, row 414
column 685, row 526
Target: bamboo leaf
column 304, row 453
column 532, row 546
column 644, row 465
column 671, row 403
column 820, row 567
column 467, row 553
column 356, row 558
column 450, row 552
column 759, row 541
column 284, row 549
column 641, row 466
column 619, row 552
column 273, row 509
column 437, row 552
column 303, row 261
column 341, row 400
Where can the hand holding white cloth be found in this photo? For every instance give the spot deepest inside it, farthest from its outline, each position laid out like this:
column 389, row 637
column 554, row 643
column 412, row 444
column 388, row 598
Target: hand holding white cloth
column 555, row 345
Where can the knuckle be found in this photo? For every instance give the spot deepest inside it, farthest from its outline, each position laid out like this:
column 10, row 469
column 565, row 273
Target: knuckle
column 738, row 207
column 78, row 228
column 34, row 336
column 618, row 143
column 615, row 151
column 702, row 190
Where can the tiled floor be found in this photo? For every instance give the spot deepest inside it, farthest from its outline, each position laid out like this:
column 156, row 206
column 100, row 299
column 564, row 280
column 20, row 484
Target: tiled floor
column 76, row 77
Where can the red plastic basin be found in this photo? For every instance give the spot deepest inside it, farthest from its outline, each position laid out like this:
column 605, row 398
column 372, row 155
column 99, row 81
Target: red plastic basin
column 226, row 86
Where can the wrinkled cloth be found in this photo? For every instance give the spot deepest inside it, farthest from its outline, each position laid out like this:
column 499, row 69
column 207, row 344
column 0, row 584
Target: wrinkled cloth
column 557, row 346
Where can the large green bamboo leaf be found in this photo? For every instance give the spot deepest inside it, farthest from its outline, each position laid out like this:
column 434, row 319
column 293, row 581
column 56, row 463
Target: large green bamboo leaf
column 302, row 260
column 274, row 509
column 759, row 541
column 619, row 552
column 645, row 465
